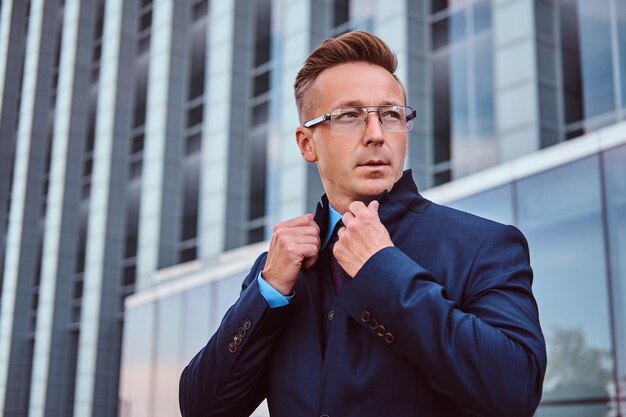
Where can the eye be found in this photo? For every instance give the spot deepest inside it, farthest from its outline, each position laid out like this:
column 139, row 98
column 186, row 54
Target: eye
column 347, row 114
column 392, row 115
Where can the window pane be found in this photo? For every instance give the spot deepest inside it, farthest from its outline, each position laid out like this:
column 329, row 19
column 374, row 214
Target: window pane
column 135, row 381
column 595, row 45
column 441, row 114
column 615, row 177
column 196, row 325
column 482, row 16
column 198, row 56
column 575, row 410
column 561, row 215
column 263, row 30
column 168, row 360
column 341, row 12
column 495, row 204
column 191, row 189
column 620, row 7
column 570, row 63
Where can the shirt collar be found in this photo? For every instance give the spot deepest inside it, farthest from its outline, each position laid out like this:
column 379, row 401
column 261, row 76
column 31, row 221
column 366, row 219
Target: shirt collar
column 333, row 217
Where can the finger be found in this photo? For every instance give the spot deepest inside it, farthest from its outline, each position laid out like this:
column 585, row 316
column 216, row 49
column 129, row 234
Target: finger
column 310, row 261
column 373, row 205
column 355, row 207
column 347, row 218
column 341, row 231
column 298, row 221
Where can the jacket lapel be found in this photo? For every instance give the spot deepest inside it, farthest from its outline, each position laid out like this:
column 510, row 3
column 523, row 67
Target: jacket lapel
column 311, row 276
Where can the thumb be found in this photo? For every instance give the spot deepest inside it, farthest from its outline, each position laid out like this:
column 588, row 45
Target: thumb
column 373, row 205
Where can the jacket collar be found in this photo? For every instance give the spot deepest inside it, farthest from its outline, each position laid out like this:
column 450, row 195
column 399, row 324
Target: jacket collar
column 403, row 195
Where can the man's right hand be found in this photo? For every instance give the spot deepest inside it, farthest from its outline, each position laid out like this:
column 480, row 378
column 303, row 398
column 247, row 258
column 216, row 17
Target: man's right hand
column 295, row 244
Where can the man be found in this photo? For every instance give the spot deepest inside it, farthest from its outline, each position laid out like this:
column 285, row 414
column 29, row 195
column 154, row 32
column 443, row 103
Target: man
column 383, row 303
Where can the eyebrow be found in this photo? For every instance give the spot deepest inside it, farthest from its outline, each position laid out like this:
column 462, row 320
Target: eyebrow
column 359, row 103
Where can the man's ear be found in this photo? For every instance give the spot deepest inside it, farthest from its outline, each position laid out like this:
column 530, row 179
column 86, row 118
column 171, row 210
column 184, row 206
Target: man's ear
column 305, row 143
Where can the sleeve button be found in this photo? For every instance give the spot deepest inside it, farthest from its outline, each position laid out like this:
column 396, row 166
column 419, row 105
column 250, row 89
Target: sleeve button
column 232, row 347
column 237, row 340
column 373, row 323
column 390, row 338
column 380, row 330
column 242, row 332
column 247, row 324
column 366, row 316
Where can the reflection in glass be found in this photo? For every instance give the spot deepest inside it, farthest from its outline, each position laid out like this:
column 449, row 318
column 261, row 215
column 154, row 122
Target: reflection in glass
column 263, row 25
column 168, row 359
column 482, row 16
column 560, row 213
column 441, row 113
column 197, row 54
column 620, row 12
column 191, row 189
column 495, row 204
column 575, row 410
column 463, row 102
column 570, row 63
column 615, row 192
column 341, row 12
column 597, row 66
column 136, row 378
column 197, row 320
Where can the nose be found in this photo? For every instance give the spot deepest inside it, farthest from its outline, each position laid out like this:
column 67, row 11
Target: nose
column 374, row 132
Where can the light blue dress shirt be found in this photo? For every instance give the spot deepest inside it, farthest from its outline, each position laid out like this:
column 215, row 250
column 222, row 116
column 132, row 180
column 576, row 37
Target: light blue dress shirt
column 273, row 297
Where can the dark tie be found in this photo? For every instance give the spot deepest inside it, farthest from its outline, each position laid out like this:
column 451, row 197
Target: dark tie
column 337, row 273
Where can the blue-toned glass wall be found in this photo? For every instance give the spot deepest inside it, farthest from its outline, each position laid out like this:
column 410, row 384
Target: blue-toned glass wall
column 24, row 234
column 614, row 164
column 582, row 66
column 577, row 245
column 135, row 150
column 463, row 93
column 262, row 65
column 193, row 137
column 14, row 21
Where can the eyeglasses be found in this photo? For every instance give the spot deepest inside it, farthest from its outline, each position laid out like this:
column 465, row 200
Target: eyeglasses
column 353, row 119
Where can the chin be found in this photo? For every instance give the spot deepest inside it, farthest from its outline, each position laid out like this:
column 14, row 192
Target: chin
column 376, row 188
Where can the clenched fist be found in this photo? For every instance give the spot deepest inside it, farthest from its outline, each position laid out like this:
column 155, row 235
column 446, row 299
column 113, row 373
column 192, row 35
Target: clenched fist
column 295, row 244
column 361, row 237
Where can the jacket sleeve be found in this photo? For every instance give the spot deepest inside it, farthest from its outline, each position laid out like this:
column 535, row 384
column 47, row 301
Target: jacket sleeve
column 225, row 377
column 486, row 352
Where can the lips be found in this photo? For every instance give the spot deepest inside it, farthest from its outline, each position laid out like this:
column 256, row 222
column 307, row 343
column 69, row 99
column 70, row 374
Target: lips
column 374, row 163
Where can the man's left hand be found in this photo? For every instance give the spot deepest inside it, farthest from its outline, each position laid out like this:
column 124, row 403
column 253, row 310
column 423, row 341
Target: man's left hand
column 362, row 236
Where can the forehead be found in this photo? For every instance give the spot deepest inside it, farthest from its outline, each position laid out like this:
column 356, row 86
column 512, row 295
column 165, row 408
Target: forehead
column 357, row 84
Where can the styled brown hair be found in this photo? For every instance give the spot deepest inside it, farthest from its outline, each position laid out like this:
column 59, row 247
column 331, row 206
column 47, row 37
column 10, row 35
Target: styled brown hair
column 355, row 46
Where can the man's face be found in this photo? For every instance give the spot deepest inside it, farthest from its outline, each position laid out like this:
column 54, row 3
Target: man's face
column 354, row 166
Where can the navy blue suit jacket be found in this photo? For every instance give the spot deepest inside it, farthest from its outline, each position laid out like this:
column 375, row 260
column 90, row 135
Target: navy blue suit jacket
column 443, row 324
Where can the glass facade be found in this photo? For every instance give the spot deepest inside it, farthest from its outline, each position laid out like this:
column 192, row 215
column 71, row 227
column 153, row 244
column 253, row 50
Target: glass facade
column 581, row 66
column 463, row 105
column 573, row 216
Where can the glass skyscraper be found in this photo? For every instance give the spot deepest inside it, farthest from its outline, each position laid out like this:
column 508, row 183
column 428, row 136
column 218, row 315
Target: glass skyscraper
column 147, row 148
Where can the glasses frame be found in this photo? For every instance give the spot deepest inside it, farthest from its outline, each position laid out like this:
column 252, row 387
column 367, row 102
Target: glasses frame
column 412, row 114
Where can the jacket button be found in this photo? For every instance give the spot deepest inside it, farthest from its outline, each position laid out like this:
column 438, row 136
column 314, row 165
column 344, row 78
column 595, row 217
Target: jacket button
column 366, row 316
column 247, row 324
column 331, row 316
column 373, row 323
column 380, row 330
column 242, row 332
column 390, row 338
column 237, row 340
column 232, row 347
